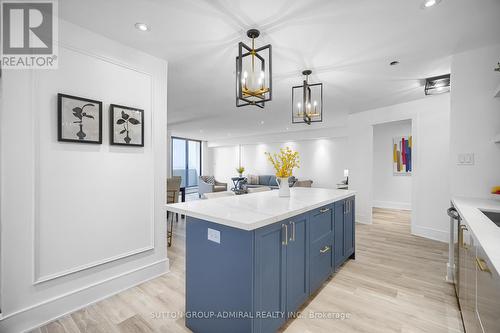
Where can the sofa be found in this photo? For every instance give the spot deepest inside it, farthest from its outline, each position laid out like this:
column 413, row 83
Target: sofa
column 254, row 181
column 208, row 184
column 303, row 183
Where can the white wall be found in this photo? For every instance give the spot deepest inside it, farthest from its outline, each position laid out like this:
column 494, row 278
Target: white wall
column 79, row 221
column 430, row 185
column 389, row 190
column 206, row 165
column 224, row 161
column 169, row 153
column 475, row 120
column 321, row 160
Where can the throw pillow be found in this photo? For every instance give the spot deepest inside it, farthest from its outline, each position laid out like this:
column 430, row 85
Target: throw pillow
column 253, row 179
column 209, row 180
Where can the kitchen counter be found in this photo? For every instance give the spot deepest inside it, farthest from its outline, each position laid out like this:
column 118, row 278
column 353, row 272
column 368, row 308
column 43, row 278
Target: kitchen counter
column 256, row 210
column 486, row 232
column 259, row 257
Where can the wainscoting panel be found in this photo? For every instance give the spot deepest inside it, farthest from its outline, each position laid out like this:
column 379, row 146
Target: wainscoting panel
column 95, row 202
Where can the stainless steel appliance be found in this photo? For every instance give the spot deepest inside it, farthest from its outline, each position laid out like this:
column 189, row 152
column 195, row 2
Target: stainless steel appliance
column 452, row 269
column 477, row 283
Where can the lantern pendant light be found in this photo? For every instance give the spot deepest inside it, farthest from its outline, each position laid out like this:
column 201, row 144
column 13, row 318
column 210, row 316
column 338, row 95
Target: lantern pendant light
column 253, row 73
column 307, row 101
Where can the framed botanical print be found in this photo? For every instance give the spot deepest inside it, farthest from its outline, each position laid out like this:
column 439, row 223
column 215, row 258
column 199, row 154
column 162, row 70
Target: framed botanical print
column 126, row 126
column 79, row 119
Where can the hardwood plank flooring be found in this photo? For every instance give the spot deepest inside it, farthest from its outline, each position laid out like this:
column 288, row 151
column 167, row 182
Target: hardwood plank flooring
column 396, row 284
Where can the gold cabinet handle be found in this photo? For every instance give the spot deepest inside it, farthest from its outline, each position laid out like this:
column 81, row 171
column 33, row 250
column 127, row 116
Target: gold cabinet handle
column 292, row 239
column 285, row 239
column 325, row 249
column 481, row 264
column 461, row 236
column 324, row 210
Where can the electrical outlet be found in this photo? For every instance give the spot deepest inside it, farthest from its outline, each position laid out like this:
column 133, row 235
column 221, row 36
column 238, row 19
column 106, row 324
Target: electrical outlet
column 465, row 159
column 214, row 235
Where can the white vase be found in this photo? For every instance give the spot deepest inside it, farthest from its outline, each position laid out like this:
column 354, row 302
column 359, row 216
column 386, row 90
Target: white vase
column 284, row 188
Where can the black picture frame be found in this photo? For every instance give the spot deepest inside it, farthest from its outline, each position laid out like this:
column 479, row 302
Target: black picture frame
column 63, row 124
column 114, row 125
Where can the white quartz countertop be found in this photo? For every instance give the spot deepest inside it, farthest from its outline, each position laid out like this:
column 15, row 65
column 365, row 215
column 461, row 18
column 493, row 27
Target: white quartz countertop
column 256, row 210
column 485, row 231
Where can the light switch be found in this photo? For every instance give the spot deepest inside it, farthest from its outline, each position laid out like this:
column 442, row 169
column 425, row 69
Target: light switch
column 214, row 235
column 465, row 159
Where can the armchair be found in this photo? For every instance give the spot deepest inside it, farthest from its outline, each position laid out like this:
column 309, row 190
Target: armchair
column 208, row 184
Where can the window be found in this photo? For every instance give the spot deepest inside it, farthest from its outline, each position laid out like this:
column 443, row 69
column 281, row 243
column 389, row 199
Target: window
column 186, row 160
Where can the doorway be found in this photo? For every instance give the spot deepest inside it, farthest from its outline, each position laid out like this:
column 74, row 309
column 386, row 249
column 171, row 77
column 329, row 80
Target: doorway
column 393, row 165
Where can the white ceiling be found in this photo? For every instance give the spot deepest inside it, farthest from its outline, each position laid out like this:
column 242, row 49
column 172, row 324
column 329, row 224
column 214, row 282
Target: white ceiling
column 347, row 43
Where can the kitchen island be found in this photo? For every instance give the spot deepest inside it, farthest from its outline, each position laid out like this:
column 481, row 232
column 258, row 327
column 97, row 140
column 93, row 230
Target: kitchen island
column 253, row 260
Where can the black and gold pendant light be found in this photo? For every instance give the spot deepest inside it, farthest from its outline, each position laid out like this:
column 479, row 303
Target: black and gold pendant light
column 307, row 101
column 253, row 73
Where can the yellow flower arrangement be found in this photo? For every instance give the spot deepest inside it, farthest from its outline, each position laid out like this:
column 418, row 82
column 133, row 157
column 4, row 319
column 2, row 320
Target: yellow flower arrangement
column 240, row 169
column 284, row 162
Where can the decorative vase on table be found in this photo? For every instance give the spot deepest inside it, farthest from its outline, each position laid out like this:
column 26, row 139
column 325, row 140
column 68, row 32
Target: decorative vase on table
column 240, row 171
column 283, row 163
column 284, row 187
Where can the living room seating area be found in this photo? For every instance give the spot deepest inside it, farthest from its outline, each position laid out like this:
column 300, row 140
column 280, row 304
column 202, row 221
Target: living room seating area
column 254, row 181
column 208, row 184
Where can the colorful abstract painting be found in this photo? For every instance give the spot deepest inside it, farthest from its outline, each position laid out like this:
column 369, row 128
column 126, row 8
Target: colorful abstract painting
column 402, row 155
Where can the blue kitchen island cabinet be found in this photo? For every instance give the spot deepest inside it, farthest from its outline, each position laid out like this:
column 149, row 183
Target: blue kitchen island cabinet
column 344, row 231
column 281, row 271
column 253, row 278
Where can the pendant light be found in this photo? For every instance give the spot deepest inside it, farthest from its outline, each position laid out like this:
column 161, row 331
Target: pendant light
column 307, row 101
column 253, row 73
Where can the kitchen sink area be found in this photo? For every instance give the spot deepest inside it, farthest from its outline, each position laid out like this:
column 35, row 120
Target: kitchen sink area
column 492, row 216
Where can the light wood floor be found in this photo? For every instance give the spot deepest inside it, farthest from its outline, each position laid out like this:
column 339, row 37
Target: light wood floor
column 396, row 284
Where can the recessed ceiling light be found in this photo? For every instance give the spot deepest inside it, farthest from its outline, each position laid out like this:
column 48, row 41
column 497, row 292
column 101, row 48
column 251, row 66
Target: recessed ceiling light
column 430, row 3
column 394, row 63
column 142, row 26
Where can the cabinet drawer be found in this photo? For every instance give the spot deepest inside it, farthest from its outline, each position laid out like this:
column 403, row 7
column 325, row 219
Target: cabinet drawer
column 488, row 292
column 321, row 222
column 321, row 259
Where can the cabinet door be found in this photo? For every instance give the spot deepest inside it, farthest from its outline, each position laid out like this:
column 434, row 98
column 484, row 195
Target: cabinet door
column 488, row 293
column 468, row 282
column 338, row 244
column 297, row 262
column 349, row 227
column 270, row 274
column 321, row 259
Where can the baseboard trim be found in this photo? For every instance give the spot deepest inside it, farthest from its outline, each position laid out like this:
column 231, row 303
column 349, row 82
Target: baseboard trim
column 363, row 219
column 430, row 233
column 39, row 314
column 392, row 205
